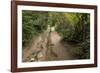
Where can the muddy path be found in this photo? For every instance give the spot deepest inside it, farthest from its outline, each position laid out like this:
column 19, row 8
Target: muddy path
column 39, row 51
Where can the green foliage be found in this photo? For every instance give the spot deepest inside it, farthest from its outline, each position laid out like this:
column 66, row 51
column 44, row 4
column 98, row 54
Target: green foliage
column 33, row 24
column 77, row 30
column 72, row 27
column 73, row 30
column 85, row 48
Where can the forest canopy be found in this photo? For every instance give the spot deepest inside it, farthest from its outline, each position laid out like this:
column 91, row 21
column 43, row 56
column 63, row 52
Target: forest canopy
column 72, row 27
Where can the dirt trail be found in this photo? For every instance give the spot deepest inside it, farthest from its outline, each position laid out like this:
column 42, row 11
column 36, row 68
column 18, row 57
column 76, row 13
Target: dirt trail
column 58, row 51
column 59, row 48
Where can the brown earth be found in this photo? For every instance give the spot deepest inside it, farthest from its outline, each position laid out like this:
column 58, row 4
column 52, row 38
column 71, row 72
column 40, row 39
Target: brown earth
column 48, row 49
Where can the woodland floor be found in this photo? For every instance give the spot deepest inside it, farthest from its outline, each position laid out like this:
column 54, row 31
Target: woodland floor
column 39, row 52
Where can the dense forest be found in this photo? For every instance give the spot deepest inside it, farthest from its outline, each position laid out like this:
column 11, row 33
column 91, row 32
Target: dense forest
column 73, row 28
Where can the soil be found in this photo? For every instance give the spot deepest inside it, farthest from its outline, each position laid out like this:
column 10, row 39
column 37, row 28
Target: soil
column 40, row 50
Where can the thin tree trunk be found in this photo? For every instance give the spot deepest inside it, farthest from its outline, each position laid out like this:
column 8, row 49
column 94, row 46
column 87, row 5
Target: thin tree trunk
column 84, row 26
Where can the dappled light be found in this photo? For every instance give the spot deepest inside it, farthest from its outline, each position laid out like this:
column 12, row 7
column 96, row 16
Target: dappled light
column 53, row 36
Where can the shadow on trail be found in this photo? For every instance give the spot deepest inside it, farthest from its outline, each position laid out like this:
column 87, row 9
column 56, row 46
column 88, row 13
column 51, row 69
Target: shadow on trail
column 48, row 48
